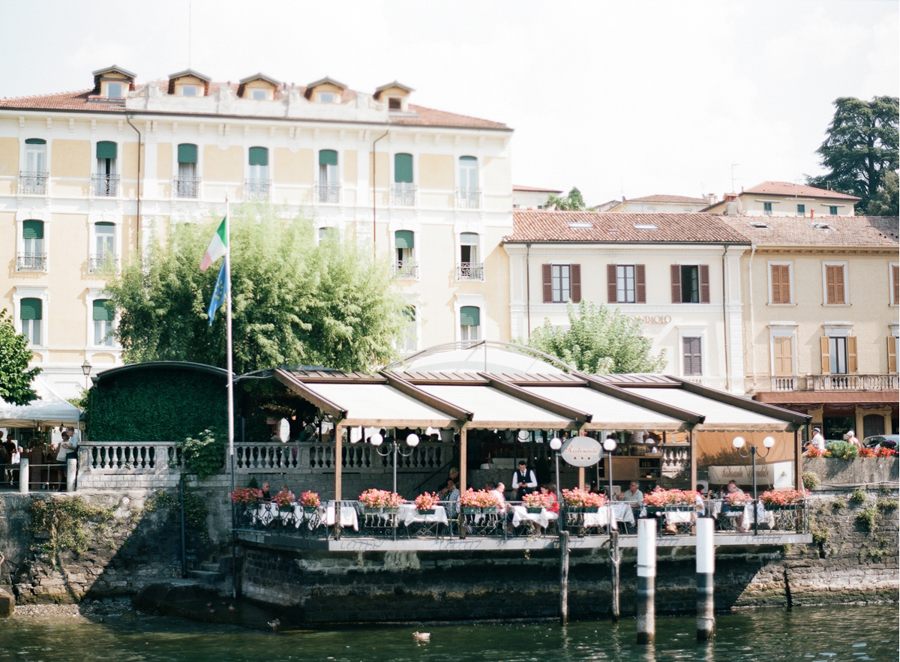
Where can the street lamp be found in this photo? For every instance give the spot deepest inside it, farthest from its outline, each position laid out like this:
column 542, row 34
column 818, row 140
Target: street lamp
column 609, row 445
column 555, row 445
column 86, row 369
column 412, row 440
column 752, row 452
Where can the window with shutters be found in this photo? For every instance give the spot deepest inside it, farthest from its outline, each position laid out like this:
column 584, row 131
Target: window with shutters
column 835, row 283
column 328, row 188
column 626, row 283
column 257, row 184
column 104, row 256
column 561, row 282
column 103, row 317
column 403, row 191
column 783, row 356
column 895, row 284
column 690, row 283
column 780, row 287
column 767, row 208
column 692, row 360
column 31, row 315
column 32, row 255
column 405, row 265
column 33, row 178
column 837, row 351
column 801, row 210
column 893, row 344
column 187, row 183
column 106, row 178
column 469, row 323
column 833, row 211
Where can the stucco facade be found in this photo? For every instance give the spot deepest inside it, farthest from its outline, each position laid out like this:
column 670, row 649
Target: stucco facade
column 785, row 199
column 431, row 184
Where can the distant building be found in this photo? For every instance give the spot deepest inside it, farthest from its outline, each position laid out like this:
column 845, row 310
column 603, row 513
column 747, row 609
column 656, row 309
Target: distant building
column 529, row 197
column 663, row 204
column 785, row 199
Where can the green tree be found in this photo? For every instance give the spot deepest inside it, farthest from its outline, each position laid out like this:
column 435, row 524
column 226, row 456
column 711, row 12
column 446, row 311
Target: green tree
column 885, row 202
column 15, row 375
column 571, row 202
column 599, row 341
column 295, row 301
column 860, row 148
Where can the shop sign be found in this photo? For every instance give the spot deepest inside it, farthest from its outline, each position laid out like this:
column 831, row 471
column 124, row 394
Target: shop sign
column 581, row 451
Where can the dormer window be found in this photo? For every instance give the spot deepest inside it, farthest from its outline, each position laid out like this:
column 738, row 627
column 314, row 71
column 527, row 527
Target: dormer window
column 115, row 90
column 258, row 94
column 190, row 90
column 396, row 95
column 327, row 97
column 395, row 103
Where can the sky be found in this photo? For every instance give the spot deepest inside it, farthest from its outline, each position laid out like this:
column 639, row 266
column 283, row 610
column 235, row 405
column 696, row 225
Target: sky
column 617, row 98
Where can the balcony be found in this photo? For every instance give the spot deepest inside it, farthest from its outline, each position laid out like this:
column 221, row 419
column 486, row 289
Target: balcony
column 31, row 262
column 855, row 382
column 106, row 263
column 257, row 189
column 403, row 195
column 187, row 187
column 406, row 270
column 470, row 271
column 784, row 383
column 105, row 186
column 468, row 198
column 328, row 194
column 33, row 183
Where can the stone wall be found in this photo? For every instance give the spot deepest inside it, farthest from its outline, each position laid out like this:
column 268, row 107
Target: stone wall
column 834, row 472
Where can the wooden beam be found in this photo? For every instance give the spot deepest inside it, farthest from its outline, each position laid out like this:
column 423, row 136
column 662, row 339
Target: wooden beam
column 463, row 460
column 527, row 396
column 334, row 410
column 795, row 418
column 693, row 452
column 798, row 461
column 653, row 405
column 427, row 398
column 338, row 464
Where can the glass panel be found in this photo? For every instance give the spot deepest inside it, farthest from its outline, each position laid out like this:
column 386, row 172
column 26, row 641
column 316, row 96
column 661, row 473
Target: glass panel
column 468, row 173
column 106, row 236
column 837, row 349
column 625, row 283
column 114, row 90
column 560, row 277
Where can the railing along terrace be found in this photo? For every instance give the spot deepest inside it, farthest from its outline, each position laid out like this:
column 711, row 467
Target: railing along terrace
column 187, row 187
column 403, row 195
column 257, row 189
column 130, row 457
column 855, row 382
column 33, row 183
column 31, row 262
column 328, row 193
column 784, row 383
column 467, row 198
column 105, row 186
column 103, row 264
column 406, row 270
column 470, row 271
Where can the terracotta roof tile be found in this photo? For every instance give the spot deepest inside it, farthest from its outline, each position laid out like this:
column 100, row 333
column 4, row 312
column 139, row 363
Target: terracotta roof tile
column 535, row 189
column 612, row 227
column 818, row 231
column 790, row 189
column 669, row 198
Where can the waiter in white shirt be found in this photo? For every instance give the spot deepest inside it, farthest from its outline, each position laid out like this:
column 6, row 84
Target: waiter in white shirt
column 524, row 481
column 818, row 441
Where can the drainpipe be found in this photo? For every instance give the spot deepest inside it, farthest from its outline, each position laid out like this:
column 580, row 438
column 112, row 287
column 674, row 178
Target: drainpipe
column 752, row 325
column 528, row 286
column 374, row 171
column 137, row 230
column 725, row 318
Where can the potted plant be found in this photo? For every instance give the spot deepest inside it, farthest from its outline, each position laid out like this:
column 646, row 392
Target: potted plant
column 373, row 500
column 482, row 501
column 783, row 499
column 392, row 502
column 245, row 495
column 574, row 499
column 425, row 503
column 535, row 502
column 285, row 499
column 310, row 501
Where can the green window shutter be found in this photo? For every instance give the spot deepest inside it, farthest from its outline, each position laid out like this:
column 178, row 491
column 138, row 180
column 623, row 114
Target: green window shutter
column 101, row 312
column 470, row 316
column 259, row 156
column 801, row 209
column 35, row 141
column 404, row 239
column 410, row 313
column 468, row 239
column 31, row 309
column 104, row 224
column 33, row 230
column 403, row 168
column 187, row 153
column 106, row 150
column 467, row 158
column 832, row 211
column 327, row 157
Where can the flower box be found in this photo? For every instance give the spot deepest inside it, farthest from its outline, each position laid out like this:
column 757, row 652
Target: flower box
column 533, row 510
column 309, row 510
column 575, row 509
column 652, row 510
column 427, row 511
column 470, row 510
column 592, row 509
column 371, row 510
column 391, row 510
column 792, row 506
column 491, row 510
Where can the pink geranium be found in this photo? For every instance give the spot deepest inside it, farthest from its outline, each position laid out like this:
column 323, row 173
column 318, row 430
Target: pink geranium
column 783, row 497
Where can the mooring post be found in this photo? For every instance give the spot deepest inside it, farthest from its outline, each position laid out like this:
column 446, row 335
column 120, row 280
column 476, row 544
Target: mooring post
column 614, row 557
column 706, row 568
column 71, row 474
column 646, row 581
column 23, row 476
column 563, row 577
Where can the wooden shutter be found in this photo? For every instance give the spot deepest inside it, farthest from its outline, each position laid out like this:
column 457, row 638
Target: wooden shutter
column 691, row 356
column 547, row 278
column 892, row 354
column 826, row 356
column 896, row 276
column 612, row 292
column 781, row 283
column 403, row 168
column 640, row 284
column 834, row 283
column 783, row 362
column 676, row 283
column 852, row 365
column 704, row 283
column 575, row 282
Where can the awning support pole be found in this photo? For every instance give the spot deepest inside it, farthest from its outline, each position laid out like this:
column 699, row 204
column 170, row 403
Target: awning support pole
column 338, row 466
column 798, row 461
column 693, row 450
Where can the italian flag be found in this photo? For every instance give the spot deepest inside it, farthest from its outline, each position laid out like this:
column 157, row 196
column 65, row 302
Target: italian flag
column 217, row 246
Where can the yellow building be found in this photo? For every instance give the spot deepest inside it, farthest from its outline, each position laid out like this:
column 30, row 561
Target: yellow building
column 662, row 204
column 820, row 300
column 87, row 177
column 785, row 199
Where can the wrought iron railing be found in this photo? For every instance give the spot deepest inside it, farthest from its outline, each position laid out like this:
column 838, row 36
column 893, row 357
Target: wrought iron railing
column 105, row 185
column 187, row 187
column 33, row 183
column 106, row 263
column 470, row 271
column 31, row 262
column 468, row 198
column 855, row 382
column 403, row 195
column 257, row 189
column 406, row 270
column 328, row 193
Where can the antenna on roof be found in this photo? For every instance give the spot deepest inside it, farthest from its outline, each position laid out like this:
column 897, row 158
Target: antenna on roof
column 190, row 29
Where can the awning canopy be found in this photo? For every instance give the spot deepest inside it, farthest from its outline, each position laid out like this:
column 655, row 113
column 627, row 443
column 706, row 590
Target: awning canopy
column 48, row 409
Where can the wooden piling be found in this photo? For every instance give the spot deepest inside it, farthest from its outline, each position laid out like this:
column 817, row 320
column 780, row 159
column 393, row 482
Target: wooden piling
column 563, row 577
column 706, row 560
column 646, row 581
column 615, row 558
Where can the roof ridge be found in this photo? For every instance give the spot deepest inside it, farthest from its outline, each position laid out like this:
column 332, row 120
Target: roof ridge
column 50, row 94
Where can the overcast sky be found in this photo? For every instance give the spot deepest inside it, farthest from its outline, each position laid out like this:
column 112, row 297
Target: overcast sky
column 618, row 98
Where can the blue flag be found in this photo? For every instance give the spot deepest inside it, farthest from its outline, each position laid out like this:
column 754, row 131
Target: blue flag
column 218, row 297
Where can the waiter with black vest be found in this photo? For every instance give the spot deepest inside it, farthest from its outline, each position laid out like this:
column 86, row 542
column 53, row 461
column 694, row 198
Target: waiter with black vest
column 524, row 481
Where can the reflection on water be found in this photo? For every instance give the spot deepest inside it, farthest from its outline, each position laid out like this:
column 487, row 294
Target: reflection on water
column 820, row 633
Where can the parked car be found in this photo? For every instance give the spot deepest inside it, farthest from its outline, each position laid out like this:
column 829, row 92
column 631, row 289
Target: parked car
column 882, row 441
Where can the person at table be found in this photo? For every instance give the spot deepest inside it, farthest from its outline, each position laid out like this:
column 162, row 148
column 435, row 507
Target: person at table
column 633, row 495
column 524, row 481
column 549, row 489
column 699, row 505
column 452, row 497
column 453, row 476
column 818, row 441
column 499, row 490
column 733, row 488
column 265, row 494
column 851, row 438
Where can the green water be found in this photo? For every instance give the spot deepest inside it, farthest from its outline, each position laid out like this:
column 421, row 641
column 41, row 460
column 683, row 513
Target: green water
column 816, row 634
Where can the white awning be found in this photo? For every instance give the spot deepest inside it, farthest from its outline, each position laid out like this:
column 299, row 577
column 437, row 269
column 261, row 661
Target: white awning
column 719, row 415
column 379, row 405
column 493, row 409
column 48, row 409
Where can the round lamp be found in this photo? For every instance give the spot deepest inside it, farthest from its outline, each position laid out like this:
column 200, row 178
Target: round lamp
column 768, row 442
column 609, row 445
column 412, row 440
column 556, row 443
column 738, row 442
column 376, row 439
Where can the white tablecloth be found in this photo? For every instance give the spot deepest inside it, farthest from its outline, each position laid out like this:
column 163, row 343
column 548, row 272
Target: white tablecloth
column 520, row 514
column 600, row 518
column 348, row 516
column 766, row 517
column 409, row 515
column 624, row 512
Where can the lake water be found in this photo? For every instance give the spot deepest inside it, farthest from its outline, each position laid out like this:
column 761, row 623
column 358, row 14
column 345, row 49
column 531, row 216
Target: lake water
column 812, row 633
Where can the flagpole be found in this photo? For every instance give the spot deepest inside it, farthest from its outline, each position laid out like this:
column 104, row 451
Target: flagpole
column 230, row 367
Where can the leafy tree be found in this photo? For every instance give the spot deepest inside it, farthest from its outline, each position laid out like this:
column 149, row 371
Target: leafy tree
column 571, row 202
column 861, row 147
column 294, row 300
column 15, row 375
column 599, row 341
column 885, row 202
